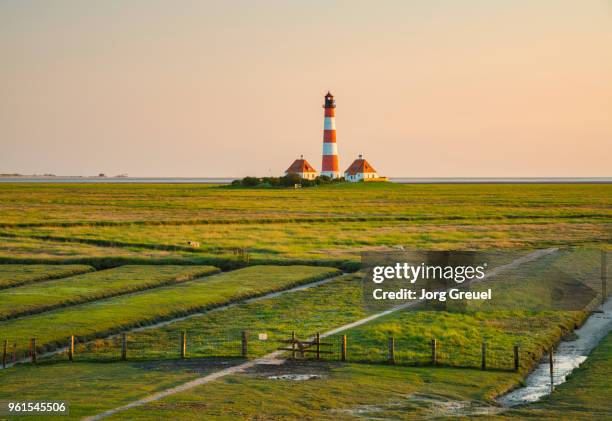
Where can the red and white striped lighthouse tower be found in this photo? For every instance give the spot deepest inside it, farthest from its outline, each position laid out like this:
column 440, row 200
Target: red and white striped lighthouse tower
column 330, row 148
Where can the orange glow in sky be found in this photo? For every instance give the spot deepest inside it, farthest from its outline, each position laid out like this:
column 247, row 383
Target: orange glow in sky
column 195, row 88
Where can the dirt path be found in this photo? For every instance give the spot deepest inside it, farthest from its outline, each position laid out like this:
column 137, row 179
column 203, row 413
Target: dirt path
column 274, row 355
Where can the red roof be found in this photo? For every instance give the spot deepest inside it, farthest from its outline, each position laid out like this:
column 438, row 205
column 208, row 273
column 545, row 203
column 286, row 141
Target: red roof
column 300, row 166
column 360, row 166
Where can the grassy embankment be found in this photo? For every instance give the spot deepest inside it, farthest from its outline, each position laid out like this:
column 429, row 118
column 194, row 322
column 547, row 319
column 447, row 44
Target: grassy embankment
column 14, row 275
column 36, row 298
column 100, row 318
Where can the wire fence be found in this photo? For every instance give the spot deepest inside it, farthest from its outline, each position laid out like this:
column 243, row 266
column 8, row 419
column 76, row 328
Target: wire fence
column 142, row 346
column 487, row 355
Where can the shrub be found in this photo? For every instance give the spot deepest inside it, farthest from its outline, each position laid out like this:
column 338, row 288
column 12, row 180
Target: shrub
column 288, row 180
column 251, row 181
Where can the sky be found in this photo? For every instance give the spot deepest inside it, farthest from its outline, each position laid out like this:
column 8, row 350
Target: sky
column 430, row 88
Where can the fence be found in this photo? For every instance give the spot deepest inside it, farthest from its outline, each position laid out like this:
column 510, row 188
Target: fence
column 487, row 355
column 141, row 346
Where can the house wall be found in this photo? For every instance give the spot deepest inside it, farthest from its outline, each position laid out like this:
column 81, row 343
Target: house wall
column 359, row 176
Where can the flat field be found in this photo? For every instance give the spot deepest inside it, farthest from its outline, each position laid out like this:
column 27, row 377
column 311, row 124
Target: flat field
column 315, row 224
column 69, row 203
column 311, row 232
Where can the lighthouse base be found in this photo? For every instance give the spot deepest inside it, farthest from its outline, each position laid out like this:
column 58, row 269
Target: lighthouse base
column 331, row 174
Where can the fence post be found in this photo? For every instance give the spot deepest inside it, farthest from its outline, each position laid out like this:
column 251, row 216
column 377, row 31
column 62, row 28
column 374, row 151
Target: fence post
column 484, row 355
column 4, row 353
column 343, row 356
column 434, row 357
column 293, row 345
column 391, row 351
column 183, row 344
column 318, row 346
column 516, row 358
column 71, row 347
column 244, row 344
column 124, row 347
column 33, row 346
column 550, row 361
column 604, row 278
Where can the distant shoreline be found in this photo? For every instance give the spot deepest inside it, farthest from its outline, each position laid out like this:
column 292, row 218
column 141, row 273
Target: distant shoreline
column 227, row 180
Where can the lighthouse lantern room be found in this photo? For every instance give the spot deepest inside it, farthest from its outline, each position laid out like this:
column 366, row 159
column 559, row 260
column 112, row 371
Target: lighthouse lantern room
column 329, row 166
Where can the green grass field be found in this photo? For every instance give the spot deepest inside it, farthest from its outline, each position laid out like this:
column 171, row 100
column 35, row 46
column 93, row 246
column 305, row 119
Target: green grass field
column 322, row 240
column 316, row 231
column 14, row 275
column 250, row 396
column 332, row 222
column 30, row 299
column 91, row 387
column 319, row 308
column 392, row 393
column 339, row 302
column 100, row 318
column 347, row 392
column 69, row 203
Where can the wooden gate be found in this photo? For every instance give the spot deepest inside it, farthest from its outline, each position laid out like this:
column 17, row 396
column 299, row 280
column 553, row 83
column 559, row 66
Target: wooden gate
column 295, row 346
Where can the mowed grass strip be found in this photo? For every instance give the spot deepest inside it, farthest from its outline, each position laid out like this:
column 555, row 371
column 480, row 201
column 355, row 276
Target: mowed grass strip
column 36, row 298
column 104, row 317
column 14, row 275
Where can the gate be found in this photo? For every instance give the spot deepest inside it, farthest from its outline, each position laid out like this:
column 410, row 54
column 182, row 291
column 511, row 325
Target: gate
column 303, row 347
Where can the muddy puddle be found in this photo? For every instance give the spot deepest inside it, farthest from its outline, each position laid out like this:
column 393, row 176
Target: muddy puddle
column 295, row 377
column 423, row 406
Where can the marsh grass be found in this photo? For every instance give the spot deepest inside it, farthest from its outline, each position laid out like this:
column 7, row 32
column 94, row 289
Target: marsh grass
column 66, row 203
column 31, row 299
column 15, row 275
column 336, row 222
column 459, row 336
column 103, row 317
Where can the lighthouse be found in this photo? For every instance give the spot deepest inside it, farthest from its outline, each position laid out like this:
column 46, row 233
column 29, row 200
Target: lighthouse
column 330, row 149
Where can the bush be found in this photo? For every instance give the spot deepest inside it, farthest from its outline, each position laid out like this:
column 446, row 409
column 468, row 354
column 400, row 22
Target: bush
column 250, row 181
column 288, row 180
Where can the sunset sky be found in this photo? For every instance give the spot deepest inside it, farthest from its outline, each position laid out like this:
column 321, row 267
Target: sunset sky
column 425, row 88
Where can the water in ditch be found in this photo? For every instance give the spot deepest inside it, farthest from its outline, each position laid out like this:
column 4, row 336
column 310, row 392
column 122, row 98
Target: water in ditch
column 568, row 356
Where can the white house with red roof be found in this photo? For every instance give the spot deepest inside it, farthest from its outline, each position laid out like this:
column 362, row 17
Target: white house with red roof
column 302, row 168
column 360, row 170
